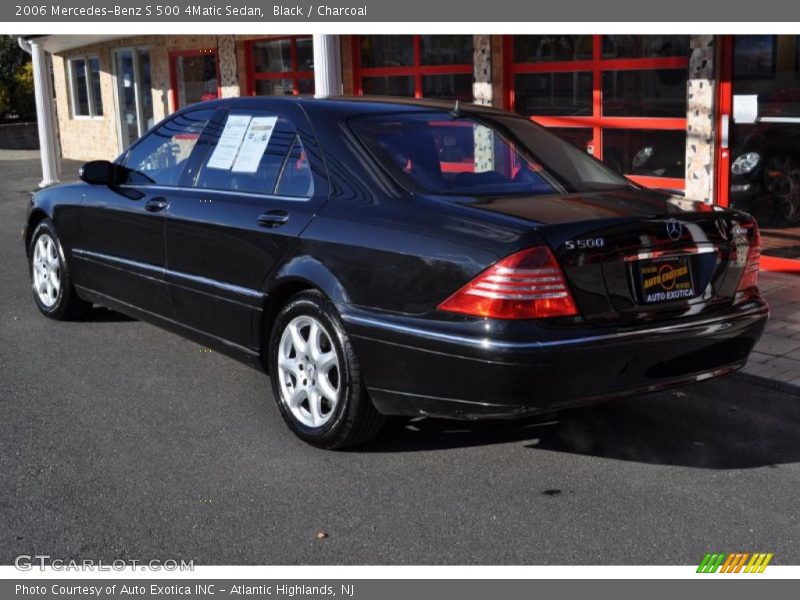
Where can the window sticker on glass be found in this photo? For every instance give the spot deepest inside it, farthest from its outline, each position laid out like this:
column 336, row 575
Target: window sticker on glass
column 255, row 142
column 229, row 142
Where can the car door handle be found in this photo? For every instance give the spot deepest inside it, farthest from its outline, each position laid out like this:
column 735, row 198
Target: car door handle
column 156, row 204
column 273, row 218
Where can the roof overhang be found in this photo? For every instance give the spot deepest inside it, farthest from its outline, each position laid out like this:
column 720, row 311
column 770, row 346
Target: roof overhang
column 61, row 43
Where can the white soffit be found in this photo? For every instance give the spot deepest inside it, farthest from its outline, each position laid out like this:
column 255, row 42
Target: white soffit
column 61, row 43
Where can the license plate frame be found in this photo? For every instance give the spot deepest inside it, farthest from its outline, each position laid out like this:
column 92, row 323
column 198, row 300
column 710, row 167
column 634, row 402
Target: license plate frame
column 665, row 279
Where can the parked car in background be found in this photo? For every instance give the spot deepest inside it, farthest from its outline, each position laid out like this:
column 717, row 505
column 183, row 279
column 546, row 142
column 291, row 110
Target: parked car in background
column 397, row 257
column 766, row 167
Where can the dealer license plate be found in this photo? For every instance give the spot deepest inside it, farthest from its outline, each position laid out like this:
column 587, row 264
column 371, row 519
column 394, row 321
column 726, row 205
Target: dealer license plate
column 665, row 280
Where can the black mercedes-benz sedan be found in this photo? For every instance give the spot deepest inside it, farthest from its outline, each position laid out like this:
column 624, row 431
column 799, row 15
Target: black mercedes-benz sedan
column 397, row 257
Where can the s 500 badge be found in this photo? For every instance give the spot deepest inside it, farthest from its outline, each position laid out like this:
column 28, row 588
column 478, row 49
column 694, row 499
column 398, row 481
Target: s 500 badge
column 585, row 244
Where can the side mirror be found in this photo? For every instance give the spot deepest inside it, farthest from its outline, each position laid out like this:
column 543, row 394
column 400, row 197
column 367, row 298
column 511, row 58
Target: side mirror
column 99, row 172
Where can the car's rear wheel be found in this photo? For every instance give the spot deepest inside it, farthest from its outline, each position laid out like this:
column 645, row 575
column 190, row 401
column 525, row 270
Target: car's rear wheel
column 316, row 378
column 53, row 292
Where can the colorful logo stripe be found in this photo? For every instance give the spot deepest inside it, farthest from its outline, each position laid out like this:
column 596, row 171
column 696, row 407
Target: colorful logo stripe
column 735, row 562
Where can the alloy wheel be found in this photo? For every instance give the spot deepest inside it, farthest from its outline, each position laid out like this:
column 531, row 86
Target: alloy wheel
column 46, row 270
column 308, row 371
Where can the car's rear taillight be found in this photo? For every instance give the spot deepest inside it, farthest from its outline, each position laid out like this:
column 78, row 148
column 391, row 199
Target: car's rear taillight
column 748, row 284
column 526, row 285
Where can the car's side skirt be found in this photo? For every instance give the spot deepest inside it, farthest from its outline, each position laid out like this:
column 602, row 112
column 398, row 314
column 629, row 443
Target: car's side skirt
column 203, row 285
column 249, row 356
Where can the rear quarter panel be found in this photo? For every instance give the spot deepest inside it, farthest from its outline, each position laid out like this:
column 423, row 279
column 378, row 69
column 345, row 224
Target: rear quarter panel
column 404, row 254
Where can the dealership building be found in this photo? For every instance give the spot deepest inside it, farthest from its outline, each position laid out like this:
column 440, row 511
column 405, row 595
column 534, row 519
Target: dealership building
column 711, row 117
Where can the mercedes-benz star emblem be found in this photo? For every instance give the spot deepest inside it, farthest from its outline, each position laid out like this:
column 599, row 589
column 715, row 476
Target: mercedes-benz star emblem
column 674, row 229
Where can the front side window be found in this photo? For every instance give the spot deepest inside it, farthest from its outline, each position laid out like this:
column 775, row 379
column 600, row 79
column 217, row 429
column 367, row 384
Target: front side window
column 256, row 153
column 84, row 76
column 502, row 155
column 160, row 157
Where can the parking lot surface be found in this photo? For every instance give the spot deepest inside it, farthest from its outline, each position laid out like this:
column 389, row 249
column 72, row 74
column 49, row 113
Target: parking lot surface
column 119, row 440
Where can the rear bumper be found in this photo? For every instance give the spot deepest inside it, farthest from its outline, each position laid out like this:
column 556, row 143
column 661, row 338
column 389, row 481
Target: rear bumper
column 418, row 368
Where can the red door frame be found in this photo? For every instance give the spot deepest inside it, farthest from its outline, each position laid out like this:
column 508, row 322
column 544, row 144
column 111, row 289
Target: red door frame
column 173, row 75
column 417, row 70
column 597, row 122
column 724, row 112
column 294, row 74
column 725, row 108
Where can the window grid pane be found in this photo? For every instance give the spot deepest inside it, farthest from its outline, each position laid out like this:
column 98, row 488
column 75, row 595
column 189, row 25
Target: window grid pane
column 97, row 99
column 554, row 93
column 287, row 71
column 387, row 51
column 416, row 66
column 272, row 56
column 446, row 49
column 644, row 93
column 80, row 88
column 195, row 78
column 655, row 91
column 547, row 48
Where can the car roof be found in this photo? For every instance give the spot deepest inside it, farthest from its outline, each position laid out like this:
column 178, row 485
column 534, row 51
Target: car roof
column 346, row 106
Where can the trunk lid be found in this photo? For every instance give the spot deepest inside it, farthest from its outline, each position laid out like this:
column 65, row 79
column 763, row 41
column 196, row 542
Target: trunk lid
column 633, row 256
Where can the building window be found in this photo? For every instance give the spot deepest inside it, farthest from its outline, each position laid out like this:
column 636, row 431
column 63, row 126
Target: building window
column 134, row 93
column 280, row 66
column 84, row 80
column 620, row 97
column 194, row 77
column 417, row 66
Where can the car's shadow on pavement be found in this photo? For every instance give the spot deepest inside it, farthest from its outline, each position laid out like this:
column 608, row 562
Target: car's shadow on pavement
column 725, row 424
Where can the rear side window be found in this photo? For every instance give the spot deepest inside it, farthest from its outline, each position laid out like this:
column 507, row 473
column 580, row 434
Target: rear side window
column 250, row 153
column 160, row 157
column 296, row 178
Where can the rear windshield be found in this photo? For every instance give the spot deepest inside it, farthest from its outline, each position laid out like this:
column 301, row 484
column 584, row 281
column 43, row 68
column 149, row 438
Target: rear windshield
column 439, row 153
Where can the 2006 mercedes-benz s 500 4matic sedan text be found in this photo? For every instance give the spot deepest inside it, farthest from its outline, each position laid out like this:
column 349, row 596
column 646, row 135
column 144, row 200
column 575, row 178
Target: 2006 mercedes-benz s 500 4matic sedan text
column 398, row 257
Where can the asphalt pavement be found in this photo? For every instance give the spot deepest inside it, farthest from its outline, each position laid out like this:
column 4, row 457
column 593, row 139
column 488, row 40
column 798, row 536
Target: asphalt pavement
column 120, row 440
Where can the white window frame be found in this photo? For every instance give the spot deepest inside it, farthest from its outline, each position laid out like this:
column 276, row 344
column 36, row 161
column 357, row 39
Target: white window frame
column 87, row 72
column 137, row 89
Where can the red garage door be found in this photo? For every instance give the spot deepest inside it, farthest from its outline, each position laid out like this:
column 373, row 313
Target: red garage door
column 620, row 97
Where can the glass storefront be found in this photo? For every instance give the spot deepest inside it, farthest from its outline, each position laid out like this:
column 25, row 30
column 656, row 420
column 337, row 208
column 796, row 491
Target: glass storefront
column 764, row 142
column 621, row 98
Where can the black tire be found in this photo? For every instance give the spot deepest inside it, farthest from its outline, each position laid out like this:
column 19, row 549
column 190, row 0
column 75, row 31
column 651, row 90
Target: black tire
column 354, row 419
column 66, row 305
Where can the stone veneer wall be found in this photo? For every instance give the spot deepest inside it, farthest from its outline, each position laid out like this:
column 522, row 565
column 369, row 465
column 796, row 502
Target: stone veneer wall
column 700, row 123
column 228, row 67
column 482, row 69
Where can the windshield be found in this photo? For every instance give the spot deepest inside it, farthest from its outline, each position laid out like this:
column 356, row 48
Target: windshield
column 440, row 153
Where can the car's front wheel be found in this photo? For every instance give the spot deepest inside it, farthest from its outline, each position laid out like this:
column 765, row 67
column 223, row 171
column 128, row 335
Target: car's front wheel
column 53, row 292
column 316, row 378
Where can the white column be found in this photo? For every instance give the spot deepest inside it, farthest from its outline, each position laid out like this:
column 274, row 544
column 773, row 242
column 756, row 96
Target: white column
column 44, row 115
column 327, row 66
